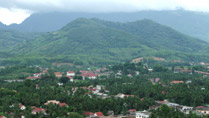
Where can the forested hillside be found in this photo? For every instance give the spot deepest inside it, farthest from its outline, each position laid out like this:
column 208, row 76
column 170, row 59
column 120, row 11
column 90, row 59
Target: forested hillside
column 10, row 38
column 188, row 22
column 96, row 42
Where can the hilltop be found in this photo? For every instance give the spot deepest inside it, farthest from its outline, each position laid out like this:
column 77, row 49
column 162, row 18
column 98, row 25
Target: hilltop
column 97, row 42
column 188, row 22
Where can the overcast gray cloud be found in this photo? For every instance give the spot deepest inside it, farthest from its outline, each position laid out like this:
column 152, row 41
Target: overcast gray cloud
column 15, row 11
column 105, row 5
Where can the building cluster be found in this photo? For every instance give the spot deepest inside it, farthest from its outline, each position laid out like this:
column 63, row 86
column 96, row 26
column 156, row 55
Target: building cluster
column 131, row 113
column 83, row 74
column 199, row 110
column 38, row 110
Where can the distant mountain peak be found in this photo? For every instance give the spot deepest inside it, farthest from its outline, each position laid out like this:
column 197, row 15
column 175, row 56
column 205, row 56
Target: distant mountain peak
column 2, row 25
column 95, row 40
column 190, row 23
column 80, row 22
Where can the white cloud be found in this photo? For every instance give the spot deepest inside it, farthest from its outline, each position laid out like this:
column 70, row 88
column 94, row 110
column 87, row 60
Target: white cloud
column 104, row 5
column 9, row 16
column 99, row 5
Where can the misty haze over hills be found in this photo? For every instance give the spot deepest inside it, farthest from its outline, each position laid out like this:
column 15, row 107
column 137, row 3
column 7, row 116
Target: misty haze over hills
column 191, row 23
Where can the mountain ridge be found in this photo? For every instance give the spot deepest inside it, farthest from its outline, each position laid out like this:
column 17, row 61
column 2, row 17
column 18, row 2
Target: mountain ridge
column 94, row 41
column 190, row 23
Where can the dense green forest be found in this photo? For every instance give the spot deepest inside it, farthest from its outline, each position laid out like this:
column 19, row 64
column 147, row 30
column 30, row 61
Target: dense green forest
column 189, row 22
column 143, row 92
column 93, row 42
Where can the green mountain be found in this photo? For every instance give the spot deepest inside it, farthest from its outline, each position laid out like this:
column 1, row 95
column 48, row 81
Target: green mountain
column 9, row 38
column 188, row 22
column 93, row 41
column 159, row 36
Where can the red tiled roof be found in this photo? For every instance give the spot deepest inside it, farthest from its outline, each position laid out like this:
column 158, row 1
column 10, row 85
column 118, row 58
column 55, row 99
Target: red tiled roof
column 157, row 79
column 176, row 82
column 84, row 71
column 62, row 104
column 92, row 89
column 2, row 117
column 132, row 110
column 57, row 73
column 200, row 107
column 99, row 114
column 69, row 77
column 87, row 113
column 162, row 102
column 163, row 92
column 38, row 109
column 20, row 105
column 89, row 74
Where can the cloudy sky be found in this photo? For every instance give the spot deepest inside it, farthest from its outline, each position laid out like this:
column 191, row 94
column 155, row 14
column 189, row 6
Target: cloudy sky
column 15, row 11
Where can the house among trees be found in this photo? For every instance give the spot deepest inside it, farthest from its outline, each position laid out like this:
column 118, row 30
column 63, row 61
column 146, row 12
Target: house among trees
column 56, row 102
column 88, row 114
column 202, row 110
column 52, row 102
column 63, row 104
column 70, row 78
column 58, row 74
column 176, row 82
column 71, row 73
column 143, row 114
column 37, row 74
column 89, row 75
column 22, row 107
column 120, row 95
column 132, row 111
column 93, row 115
column 98, row 114
column 37, row 110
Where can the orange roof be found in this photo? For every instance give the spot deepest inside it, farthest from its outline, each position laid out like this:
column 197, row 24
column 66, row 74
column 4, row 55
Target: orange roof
column 52, row 102
column 99, row 114
column 62, row 104
column 176, row 82
column 57, row 73
column 132, row 110
column 87, row 113
column 35, row 109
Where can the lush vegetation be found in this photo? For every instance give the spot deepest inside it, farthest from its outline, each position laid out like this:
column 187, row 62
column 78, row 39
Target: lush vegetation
column 10, row 38
column 96, row 42
column 165, row 112
column 189, row 22
column 144, row 92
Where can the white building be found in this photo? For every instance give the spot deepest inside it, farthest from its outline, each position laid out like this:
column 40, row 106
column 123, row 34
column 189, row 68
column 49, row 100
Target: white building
column 60, row 84
column 186, row 109
column 120, row 95
column 143, row 114
column 22, row 107
column 71, row 73
column 99, row 87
